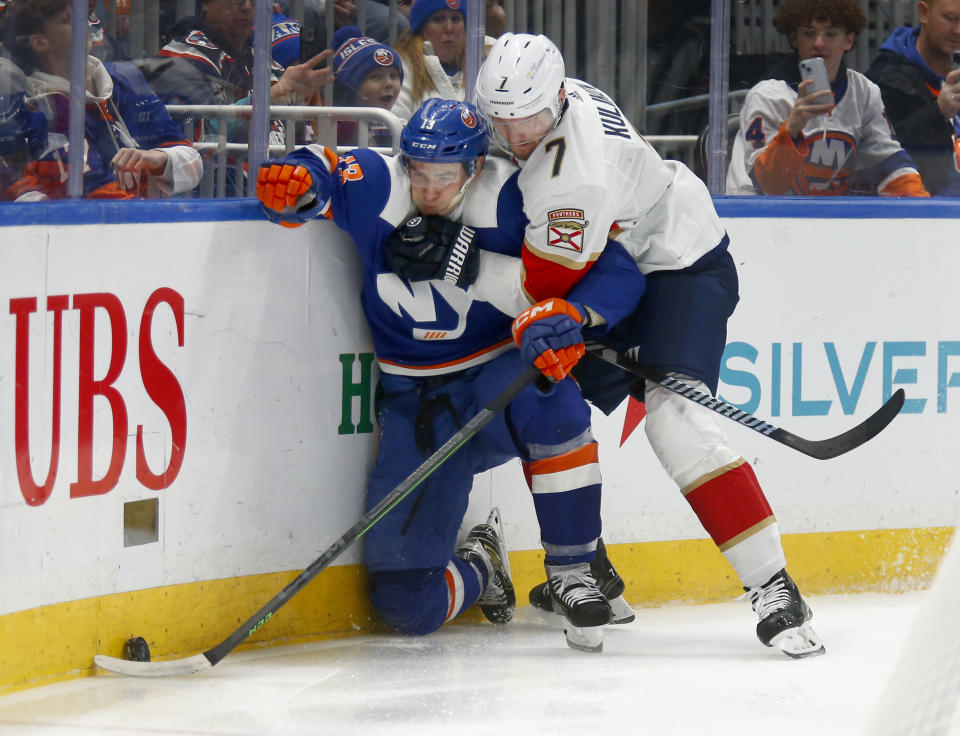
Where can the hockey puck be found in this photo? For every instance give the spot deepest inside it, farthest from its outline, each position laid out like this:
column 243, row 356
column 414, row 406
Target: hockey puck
column 136, row 649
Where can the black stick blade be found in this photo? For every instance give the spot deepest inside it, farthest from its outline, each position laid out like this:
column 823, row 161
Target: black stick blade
column 849, row 440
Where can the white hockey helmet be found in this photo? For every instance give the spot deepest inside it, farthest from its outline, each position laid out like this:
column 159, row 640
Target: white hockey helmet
column 521, row 76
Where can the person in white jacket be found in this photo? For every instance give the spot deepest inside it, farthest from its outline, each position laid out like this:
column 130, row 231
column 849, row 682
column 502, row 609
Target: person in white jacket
column 132, row 147
column 432, row 54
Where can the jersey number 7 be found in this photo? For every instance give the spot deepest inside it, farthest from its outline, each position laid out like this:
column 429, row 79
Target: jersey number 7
column 561, row 145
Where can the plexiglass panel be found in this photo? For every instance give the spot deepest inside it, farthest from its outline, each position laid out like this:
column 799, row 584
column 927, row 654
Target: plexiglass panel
column 350, row 72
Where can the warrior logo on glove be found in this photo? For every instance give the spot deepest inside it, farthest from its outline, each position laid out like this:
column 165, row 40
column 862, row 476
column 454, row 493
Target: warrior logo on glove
column 432, row 247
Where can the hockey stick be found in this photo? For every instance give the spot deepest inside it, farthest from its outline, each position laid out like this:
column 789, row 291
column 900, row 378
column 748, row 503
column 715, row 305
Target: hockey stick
column 206, row 660
column 819, row 449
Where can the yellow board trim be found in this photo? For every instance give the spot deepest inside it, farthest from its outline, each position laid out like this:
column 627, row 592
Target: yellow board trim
column 57, row 642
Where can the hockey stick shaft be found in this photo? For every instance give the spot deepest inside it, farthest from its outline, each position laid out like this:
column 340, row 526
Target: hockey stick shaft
column 213, row 655
column 820, row 449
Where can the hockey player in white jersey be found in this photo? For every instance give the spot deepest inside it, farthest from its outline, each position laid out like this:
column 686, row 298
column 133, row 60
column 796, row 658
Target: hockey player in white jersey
column 796, row 141
column 586, row 174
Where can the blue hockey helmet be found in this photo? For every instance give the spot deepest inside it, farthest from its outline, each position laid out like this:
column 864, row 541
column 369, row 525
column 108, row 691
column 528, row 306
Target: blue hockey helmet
column 445, row 131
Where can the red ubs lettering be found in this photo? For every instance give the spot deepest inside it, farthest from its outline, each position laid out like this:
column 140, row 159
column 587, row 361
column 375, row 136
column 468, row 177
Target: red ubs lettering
column 158, row 380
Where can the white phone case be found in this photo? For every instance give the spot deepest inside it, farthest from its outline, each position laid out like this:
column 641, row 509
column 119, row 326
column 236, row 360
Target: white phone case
column 816, row 70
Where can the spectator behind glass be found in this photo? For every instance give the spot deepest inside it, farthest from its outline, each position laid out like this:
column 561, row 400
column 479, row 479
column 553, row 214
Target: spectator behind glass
column 286, row 38
column 23, row 129
column 377, row 21
column 219, row 43
column 102, row 45
column 922, row 94
column 432, row 54
column 495, row 24
column 794, row 141
column 369, row 74
column 133, row 148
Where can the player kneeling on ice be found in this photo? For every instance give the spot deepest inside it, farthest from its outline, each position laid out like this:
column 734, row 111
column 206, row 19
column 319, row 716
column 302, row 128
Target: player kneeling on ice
column 443, row 354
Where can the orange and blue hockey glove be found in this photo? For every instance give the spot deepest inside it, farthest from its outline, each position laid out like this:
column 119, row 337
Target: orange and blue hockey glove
column 287, row 192
column 549, row 335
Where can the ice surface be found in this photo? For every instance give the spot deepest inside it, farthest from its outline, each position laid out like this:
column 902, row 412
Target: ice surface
column 675, row 670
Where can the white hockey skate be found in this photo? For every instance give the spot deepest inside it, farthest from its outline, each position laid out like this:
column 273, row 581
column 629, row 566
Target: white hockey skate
column 484, row 545
column 575, row 596
column 609, row 582
column 784, row 617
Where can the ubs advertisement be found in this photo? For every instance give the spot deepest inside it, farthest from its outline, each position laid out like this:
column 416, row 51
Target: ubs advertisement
column 172, row 405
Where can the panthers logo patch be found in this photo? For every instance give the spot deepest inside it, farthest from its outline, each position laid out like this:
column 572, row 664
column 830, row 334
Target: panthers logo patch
column 565, row 229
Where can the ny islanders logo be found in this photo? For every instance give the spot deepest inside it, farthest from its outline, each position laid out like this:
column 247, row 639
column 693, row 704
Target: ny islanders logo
column 384, row 57
column 829, row 164
column 438, row 308
column 565, row 229
column 468, row 118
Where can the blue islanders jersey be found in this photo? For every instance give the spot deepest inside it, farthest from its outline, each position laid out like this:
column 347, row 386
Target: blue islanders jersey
column 419, row 328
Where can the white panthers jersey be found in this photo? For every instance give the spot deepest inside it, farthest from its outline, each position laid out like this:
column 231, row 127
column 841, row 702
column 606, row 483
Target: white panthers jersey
column 593, row 177
column 854, row 136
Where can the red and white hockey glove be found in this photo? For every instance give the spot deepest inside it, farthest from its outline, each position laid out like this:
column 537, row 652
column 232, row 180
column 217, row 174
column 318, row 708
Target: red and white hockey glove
column 549, row 336
column 283, row 190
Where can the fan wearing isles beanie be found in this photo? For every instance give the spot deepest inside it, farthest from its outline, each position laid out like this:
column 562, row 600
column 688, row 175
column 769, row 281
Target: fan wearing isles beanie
column 368, row 73
column 432, row 54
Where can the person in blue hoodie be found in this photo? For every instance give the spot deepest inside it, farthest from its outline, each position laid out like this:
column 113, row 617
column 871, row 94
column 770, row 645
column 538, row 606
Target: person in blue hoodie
column 921, row 92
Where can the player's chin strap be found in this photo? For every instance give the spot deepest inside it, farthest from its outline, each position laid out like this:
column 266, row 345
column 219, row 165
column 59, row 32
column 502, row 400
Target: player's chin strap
column 819, row 449
column 458, row 197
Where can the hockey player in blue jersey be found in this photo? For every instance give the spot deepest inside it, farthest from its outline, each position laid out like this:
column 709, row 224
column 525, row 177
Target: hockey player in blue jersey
column 443, row 355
